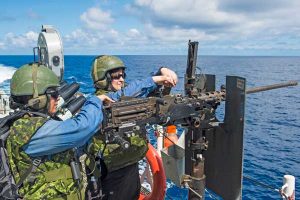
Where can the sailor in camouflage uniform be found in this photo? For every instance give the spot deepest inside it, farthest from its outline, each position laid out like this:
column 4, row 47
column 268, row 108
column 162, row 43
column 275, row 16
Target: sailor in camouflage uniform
column 40, row 148
column 121, row 179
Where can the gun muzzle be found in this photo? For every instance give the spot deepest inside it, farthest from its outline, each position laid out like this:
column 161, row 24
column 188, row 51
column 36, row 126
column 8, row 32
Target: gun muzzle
column 161, row 102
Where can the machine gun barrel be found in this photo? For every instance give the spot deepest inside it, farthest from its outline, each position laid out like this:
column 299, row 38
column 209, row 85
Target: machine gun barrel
column 221, row 95
column 271, row 87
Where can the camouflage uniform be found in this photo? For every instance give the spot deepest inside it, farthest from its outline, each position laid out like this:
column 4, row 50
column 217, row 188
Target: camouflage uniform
column 53, row 178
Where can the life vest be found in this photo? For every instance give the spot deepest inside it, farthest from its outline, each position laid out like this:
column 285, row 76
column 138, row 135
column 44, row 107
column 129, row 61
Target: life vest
column 52, row 179
column 114, row 156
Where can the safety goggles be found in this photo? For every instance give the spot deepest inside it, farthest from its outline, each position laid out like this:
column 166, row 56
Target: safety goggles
column 117, row 76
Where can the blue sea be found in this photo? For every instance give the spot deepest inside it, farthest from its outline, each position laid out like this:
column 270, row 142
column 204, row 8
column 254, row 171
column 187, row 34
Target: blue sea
column 272, row 127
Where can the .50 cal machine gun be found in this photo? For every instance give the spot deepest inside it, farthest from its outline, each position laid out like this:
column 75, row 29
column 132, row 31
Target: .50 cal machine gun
column 213, row 149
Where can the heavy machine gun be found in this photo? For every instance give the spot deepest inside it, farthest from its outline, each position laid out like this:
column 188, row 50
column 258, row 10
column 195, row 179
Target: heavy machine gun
column 213, row 149
column 129, row 117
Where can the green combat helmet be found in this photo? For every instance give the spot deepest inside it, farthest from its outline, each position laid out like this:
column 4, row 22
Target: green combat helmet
column 33, row 79
column 101, row 65
column 22, row 80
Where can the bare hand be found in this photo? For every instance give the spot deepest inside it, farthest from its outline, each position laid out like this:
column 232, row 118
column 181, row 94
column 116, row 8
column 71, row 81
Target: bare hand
column 105, row 99
column 164, row 80
column 168, row 72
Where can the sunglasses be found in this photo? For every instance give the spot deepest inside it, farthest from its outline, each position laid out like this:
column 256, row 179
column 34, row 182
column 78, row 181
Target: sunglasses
column 52, row 92
column 118, row 76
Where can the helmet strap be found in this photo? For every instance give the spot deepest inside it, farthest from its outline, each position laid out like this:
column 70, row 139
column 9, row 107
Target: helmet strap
column 108, row 86
column 34, row 77
column 37, row 102
column 47, row 106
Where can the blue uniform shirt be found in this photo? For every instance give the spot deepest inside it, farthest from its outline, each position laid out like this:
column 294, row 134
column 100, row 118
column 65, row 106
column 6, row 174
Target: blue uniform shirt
column 57, row 136
column 138, row 88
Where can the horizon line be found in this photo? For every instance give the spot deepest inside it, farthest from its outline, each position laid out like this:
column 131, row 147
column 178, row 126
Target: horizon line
column 163, row 55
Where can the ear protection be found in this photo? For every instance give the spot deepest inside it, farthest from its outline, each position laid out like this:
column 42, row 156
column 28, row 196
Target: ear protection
column 14, row 105
column 41, row 102
column 38, row 103
column 100, row 84
column 104, row 83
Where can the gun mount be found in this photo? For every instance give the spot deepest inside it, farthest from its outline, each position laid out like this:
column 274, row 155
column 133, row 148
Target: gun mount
column 213, row 154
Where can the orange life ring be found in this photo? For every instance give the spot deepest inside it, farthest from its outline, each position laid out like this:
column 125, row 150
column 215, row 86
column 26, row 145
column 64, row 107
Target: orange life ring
column 158, row 174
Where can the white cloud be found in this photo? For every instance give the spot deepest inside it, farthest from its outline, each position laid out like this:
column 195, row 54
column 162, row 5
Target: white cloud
column 176, row 34
column 170, row 24
column 80, row 36
column 97, row 19
column 166, row 26
column 92, row 40
column 187, row 12
column 212, row 14
column 32, row 36
column 226, row 23
column 28, row 39
column 133, row 33
column 180, row 20
column 96, row 33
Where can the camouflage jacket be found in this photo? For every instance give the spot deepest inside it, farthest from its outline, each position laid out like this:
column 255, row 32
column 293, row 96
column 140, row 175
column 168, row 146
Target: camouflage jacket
column 53, row 177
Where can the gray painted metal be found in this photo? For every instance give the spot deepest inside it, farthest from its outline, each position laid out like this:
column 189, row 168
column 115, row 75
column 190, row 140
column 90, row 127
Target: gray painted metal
column 224, row 157
column 205, row 82
column 173, row 161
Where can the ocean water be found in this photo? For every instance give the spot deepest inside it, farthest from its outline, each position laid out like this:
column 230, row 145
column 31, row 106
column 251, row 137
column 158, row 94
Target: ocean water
column 272, row 126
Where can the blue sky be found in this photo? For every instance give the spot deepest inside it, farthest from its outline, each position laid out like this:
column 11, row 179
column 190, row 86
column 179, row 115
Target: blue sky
column 222, row 27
